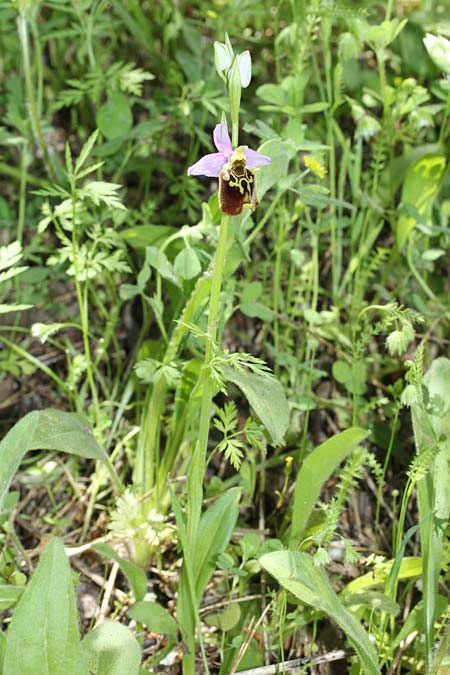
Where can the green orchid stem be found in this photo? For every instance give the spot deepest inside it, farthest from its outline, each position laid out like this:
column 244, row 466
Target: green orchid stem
column 234, row 133
column 199, row 457
column 197, row 468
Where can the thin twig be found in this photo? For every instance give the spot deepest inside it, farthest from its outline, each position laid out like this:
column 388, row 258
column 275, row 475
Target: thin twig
column 296, row 663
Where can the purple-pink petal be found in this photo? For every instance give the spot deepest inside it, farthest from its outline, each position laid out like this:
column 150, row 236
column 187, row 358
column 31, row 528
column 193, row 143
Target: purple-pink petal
column 222, row 139
column 255, row 159
column 209, row 165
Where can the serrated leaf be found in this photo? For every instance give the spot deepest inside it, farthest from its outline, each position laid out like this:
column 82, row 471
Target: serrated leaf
column 85, row 151
column 43, row 635
column 101, row 192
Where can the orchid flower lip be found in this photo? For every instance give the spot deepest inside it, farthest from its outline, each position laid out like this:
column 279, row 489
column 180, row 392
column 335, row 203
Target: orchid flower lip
column 211, row 165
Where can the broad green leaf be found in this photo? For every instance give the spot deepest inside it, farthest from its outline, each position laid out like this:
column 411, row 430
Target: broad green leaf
column 256, row 310
column 114, row 118
column 267, row 398
column 270, row 175
column 45, row 430
column 431, row 422
column 110, row 649
column 42, row 638
column 297, row 574
column 141, row 236
column 186, row 264
column 225, row 620
column 315, row 470
column 214, row 533
column 155, row 617
column 161, row 263
column 422, row 184
column 373, row 600
column 135, row 575
column 9, row 595
column 252, row 291
column 409, row 569
column 273, row 93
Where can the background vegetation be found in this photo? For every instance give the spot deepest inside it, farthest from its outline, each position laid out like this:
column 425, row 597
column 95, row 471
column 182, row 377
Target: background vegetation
column 265, row 487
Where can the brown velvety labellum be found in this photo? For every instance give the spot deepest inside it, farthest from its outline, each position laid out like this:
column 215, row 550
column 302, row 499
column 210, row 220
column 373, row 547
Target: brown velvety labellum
column 237, row 190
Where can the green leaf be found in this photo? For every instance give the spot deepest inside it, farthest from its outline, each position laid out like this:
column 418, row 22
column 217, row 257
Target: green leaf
column 310, row 108
column 267, row 398
column 2, row 650
column 431, row 423
column 226, row 619
column 135, row 575
column 110, row 649
column 45, row 430
column 85, row 151
column 155, row 617
column 186, row 264
column 273, row 93
column 416, row 620
column 114, row 118
column 270, row 175
column 296, row 572
column 161, row 263
column 141, row 236
column 43, row 635
column 439, row 50
column 409, row 569
column 252, row 291
column 9, row 595
column 214, row 533
column 315, row 470
column 256, row 310
column 422, row 183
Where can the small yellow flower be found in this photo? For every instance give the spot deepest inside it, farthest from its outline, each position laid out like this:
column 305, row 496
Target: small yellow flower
column 315, row 166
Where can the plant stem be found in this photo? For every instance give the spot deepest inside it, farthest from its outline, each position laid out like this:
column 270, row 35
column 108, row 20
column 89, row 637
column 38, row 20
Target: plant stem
column 195, row 476
column 23, row 36
column 188, row 609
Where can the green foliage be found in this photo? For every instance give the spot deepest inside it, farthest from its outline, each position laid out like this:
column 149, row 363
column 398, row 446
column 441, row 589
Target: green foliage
column 45, row 620
column 45, row 430
column 432, row 436
column 185, row 337
column 315, row 470
column 298, row 575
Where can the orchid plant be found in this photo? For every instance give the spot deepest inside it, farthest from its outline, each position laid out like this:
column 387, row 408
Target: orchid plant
column 235, row 166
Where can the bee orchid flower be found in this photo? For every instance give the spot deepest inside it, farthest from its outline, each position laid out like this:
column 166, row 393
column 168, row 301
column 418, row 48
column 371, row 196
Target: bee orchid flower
column 234, row 168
